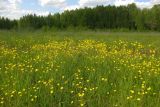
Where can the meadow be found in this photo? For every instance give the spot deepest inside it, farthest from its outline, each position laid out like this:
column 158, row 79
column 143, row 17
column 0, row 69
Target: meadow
column 79, row 69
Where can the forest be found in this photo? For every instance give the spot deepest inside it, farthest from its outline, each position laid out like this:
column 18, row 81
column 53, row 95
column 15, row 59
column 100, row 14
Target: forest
column 128, row 17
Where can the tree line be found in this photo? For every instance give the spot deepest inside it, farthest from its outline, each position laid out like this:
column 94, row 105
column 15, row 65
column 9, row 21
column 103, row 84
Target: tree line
column 101, row 17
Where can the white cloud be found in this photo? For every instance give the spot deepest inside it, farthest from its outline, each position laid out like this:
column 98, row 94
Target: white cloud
column 144, row 4
column 7, row 7
column 93, row 3
column 54, row 3
column 123, row 2
column 89, row 3
column 72, row 7
column 140, row 4
column 16, row 14
column 9, row 4
column 12, row 10
column 155, row 2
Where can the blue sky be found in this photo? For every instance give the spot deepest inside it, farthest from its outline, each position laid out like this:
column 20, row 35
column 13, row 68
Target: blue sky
column 16, row 8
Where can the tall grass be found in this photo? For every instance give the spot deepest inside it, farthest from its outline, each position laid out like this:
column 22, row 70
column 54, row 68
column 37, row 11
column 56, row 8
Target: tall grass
column 69, row 69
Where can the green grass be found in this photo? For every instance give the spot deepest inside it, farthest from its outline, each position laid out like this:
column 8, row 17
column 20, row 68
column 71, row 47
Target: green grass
column 73, row 69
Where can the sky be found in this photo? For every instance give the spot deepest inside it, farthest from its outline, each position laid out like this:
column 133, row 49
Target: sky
column 14, row 9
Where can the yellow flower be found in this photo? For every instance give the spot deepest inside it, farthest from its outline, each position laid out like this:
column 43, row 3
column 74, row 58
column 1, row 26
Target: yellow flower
column 35, row 96
column 51, row 91
column 149, row 88
column 138, row 99
column 72, row 102
column 102, row 79
column 11, row 95
column 85, row 89
column 32, row 99
column 61, row 88
column 80, row 94
column 132, row 91
column 81, row 104
column 2, row 102
column 63, row 77
column 131, row 97
column 128, row 98
column 143, row 86
column 19, row 92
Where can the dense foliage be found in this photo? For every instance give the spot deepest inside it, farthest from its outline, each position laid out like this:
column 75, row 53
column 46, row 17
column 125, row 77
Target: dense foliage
column 101, row 17
column 6, row 23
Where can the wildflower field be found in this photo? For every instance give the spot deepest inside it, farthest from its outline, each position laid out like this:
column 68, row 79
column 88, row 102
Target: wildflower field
column 79, row 69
